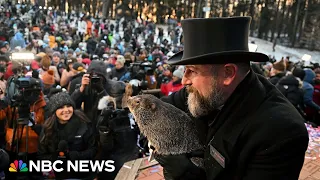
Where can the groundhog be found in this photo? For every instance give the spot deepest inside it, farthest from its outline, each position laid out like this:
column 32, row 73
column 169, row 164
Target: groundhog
column 168, row 129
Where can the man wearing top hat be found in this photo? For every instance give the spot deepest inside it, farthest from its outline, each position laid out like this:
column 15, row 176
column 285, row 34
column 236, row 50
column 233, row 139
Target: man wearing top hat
column 249, row 129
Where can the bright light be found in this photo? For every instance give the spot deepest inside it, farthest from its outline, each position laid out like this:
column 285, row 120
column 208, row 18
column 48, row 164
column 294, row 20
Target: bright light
column 44, row 7
column 253, row 47
column 50, row 8
column 306, row 57
column 40, row 7
column 22, row 56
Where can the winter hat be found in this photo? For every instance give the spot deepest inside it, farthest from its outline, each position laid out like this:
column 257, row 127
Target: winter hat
column 48, row 77
column 59, row 100
column 298, row 72
column 56, row 53
column 70, row 51
column 178, row 73
column 280, row 66
column 45, row 62
column 98, row 67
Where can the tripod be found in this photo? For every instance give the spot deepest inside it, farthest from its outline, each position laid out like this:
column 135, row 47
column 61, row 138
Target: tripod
column 18, row 128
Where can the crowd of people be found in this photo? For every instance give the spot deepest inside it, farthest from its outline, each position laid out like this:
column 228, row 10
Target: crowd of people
column 79, row 61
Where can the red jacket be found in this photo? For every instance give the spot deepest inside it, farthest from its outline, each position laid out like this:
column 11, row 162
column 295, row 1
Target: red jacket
column 171, row 87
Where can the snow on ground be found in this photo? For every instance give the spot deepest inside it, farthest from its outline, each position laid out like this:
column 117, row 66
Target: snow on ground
column 295, row 54
column 265, row 47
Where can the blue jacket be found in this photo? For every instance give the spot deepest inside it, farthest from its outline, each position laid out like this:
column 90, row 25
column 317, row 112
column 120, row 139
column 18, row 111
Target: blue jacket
column 308, row 89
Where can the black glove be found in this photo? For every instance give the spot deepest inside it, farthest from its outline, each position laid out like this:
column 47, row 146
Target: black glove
column 176, row 167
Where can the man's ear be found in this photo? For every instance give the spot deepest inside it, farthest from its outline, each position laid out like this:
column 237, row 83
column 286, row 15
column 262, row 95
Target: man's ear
column 230, row 71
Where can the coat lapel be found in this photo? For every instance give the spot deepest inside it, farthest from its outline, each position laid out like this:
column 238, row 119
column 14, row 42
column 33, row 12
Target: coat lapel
column 229, row 123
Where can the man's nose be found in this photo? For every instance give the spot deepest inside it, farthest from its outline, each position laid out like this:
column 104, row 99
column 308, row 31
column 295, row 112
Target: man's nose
column 185, row 81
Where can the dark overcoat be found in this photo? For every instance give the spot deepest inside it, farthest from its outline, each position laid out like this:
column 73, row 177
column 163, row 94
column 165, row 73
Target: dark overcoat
column 257, row 134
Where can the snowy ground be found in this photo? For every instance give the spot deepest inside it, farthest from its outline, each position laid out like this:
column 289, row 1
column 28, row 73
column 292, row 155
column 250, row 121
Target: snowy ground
column 266, row 48
column 282, row 51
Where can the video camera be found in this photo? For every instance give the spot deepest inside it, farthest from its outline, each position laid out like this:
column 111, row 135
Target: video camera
column 27, row 92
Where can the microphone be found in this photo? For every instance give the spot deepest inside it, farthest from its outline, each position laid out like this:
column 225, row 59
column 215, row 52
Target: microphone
column 62, row 149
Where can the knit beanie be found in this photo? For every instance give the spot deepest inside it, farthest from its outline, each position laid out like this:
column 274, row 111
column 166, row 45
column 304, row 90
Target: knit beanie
column 48, row 77
column 280, row 66
column 178, row 73
column 56, row 53
column 59, row 100
column 45, row 62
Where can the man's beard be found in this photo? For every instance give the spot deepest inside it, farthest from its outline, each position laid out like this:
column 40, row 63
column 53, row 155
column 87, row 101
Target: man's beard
column 200, row 105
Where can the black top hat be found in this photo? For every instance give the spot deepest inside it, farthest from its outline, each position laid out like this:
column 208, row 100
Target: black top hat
column 216, row 41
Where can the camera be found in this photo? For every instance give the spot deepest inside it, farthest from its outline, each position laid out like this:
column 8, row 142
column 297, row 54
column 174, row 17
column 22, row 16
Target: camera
column 27, row 92
column 94, row 79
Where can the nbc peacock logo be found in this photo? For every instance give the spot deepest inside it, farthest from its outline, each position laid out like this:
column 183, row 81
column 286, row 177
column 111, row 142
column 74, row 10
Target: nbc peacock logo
column 18, row 166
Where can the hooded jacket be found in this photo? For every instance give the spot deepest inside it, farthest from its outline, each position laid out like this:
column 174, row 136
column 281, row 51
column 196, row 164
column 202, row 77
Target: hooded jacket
column 309, row 89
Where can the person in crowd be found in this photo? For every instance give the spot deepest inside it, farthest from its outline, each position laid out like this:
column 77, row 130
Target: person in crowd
column 5, row 111
column 68, row 73
column 291, row 87
column 48, row 81
column 38, row 112
column 79, row 71
column 174, row 85
column 90, row 92
column 120, row 72
column 66, row 124
column 45, row 65
column 56, row 58
column 4, row 60
column 3, row 47
column 277, row 72
column 312, row 108
column 85, row 59
column 247, row 132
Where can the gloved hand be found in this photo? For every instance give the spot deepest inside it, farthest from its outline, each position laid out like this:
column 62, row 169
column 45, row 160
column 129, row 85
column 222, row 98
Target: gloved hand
column 180, row 166
column 73, row 155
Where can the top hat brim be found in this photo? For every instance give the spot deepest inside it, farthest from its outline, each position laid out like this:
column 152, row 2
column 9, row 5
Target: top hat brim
column 218, row 58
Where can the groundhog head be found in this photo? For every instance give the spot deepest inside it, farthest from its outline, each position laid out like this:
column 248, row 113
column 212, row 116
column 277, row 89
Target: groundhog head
column 143, row 107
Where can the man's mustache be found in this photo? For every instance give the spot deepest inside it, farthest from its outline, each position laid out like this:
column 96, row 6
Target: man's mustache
column 191, row 89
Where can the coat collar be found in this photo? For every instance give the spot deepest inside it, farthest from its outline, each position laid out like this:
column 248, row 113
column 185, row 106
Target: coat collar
column 235, row 115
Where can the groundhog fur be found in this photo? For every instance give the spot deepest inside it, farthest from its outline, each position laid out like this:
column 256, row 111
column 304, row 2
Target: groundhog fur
column 168, row 129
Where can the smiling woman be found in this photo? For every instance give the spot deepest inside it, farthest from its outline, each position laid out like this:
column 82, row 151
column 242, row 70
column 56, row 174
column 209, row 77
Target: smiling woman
column 71, row 128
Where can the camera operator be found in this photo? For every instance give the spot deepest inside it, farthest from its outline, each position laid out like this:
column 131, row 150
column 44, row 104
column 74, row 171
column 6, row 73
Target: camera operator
column 69, row 131
column 28, row 114
column 94, row 86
